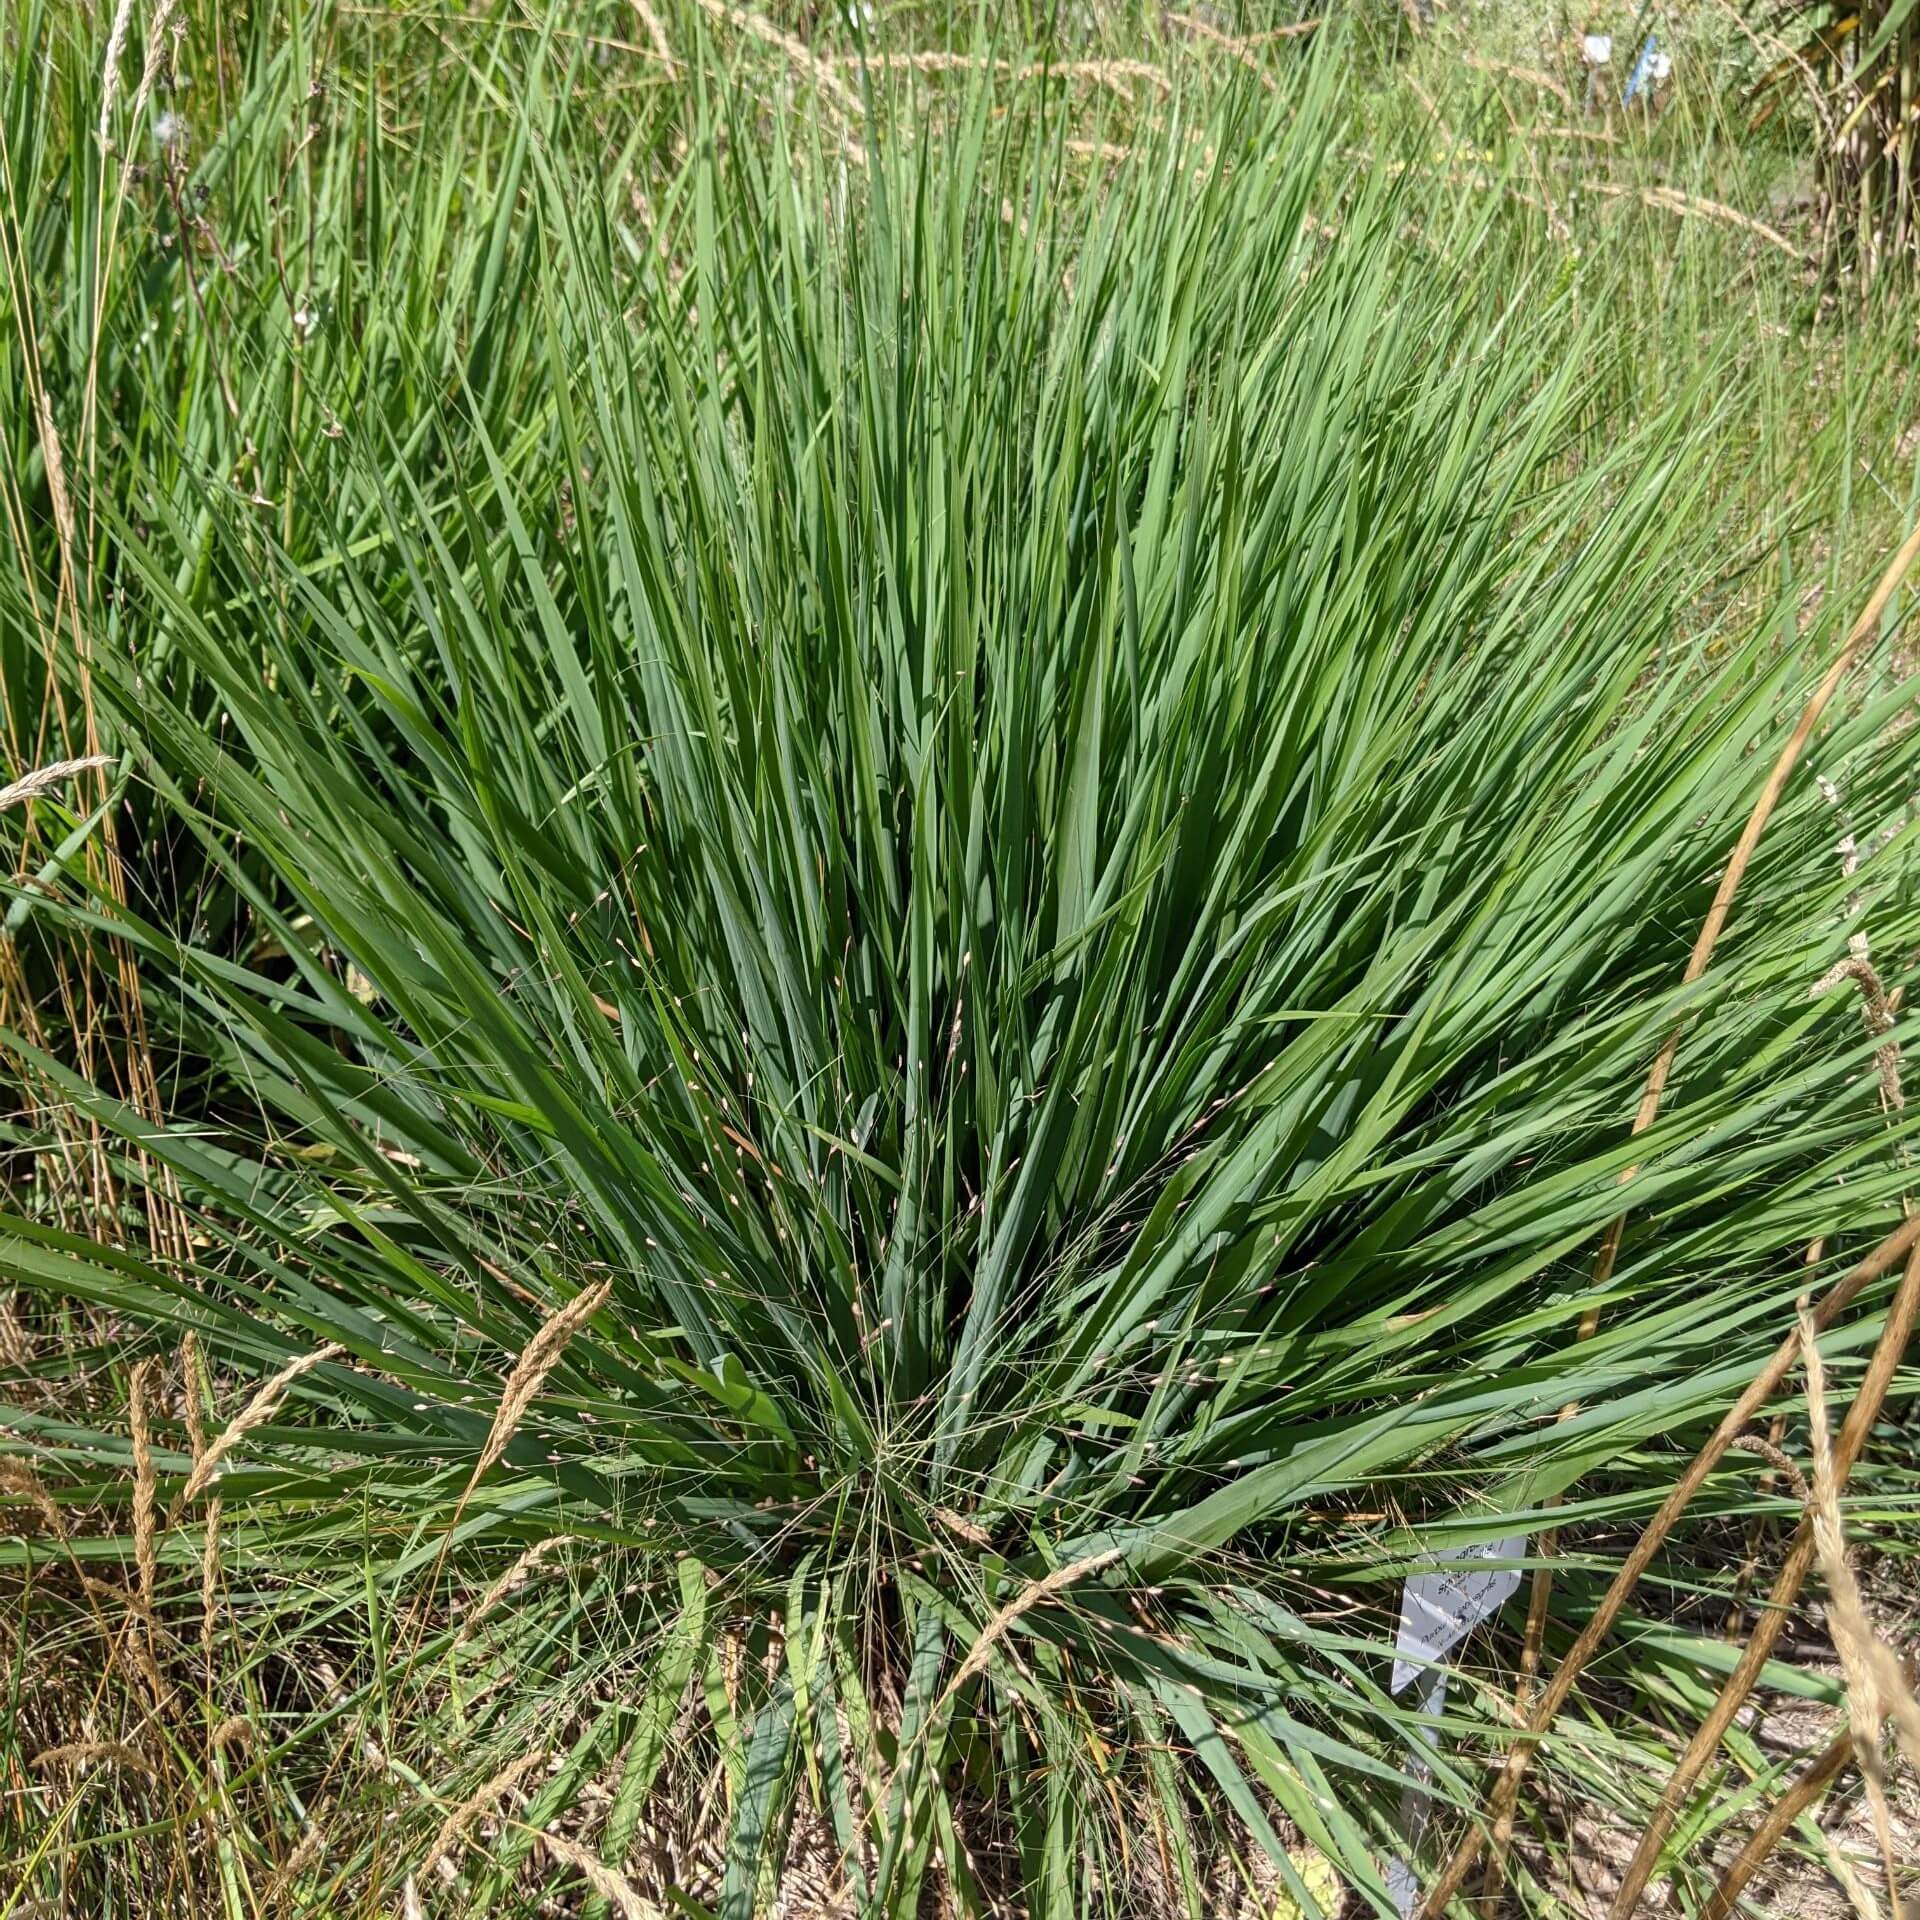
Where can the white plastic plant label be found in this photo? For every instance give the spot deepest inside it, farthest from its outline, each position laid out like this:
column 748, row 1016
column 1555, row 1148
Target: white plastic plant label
column 1438, row 1609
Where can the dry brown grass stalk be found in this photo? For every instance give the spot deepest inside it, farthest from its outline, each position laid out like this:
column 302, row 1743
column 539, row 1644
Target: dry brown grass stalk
column 145, row 1482
column 1896, row 1247
column 194, row 1415
column 538, row 1358
column 1230, row 44
column 1799, row 1798
column 1772, row 1619
column 146, row 1529
column 1293, row 30
column 1877, row 1689
column 156, row 52
column 1506, row 1789
column 1672, row 200
column 1115, row 75
column 1531, row 75
column 110, row 67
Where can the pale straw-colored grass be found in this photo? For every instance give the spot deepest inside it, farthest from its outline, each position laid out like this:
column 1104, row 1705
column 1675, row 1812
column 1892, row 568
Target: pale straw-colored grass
column 616, row 1888
column 256, row 1413
column 477, row 1803
column 537, row 1359
column 44, row 779
column 1877, row 1688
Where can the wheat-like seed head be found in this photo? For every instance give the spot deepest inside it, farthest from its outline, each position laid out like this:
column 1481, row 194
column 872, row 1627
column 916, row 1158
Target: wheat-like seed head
column 255, row 1413
column 17, row 1477
column 44, row 779
column 515, row 1577
column 614, row 1887
column 477, row 1802
column 537, row 1359
column 145, row 1506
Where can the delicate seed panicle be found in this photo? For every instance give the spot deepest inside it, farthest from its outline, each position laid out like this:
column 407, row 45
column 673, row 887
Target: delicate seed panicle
column 145, row 1634
column 257, row 1412
column 657, row 34
column 110, row 67
column 611, row 1886
column 476, row 1803
column 44, row 779
column 538, row 1359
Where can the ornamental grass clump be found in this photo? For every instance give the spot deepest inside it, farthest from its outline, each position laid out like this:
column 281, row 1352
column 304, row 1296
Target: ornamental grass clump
column 905, row 1069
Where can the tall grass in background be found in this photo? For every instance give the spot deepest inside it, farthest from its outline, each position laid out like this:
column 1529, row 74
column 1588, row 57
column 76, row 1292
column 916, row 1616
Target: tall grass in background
column 897, row 848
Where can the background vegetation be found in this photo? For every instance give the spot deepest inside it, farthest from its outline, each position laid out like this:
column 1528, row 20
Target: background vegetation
column 843, row 850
